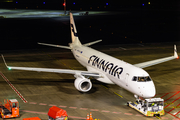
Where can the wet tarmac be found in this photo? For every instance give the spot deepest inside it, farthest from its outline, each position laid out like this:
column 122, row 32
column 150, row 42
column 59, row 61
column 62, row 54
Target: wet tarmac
column 39, row 91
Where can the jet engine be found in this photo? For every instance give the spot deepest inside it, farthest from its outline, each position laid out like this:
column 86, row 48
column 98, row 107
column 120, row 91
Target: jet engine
column 83, row 84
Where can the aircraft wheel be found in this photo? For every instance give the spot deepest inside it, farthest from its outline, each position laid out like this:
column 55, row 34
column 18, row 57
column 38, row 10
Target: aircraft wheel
column 127, row 103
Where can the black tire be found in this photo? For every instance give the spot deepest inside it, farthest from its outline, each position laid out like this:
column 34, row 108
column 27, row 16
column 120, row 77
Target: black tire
column 127, row 103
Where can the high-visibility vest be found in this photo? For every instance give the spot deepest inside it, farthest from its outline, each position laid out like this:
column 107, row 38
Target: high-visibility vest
column 152, row 104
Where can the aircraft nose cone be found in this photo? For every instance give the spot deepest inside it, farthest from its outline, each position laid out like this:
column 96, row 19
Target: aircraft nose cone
column 150, row 92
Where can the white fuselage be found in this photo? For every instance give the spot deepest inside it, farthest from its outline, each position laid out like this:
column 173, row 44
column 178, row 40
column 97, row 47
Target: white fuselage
column 114, row 71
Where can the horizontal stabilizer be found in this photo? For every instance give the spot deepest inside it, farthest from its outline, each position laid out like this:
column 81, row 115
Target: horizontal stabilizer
column 91, row 43
column 60, row 46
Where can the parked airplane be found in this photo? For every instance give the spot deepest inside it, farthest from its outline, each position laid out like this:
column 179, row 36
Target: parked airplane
column 105, row 68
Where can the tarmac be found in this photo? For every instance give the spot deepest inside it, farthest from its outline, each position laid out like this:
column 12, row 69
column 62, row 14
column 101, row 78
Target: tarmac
column 38, row 91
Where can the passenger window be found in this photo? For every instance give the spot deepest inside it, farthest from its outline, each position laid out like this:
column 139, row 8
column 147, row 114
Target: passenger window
column 134, row 78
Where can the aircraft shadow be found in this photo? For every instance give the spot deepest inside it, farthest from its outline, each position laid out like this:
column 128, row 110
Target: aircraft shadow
column 63, row 85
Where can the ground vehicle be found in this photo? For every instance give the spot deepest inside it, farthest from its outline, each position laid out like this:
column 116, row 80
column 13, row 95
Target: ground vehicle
column 10, row 108
column 56, row 113
column 149, row 107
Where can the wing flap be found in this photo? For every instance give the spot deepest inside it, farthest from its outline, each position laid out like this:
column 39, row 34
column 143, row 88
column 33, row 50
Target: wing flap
column 68, row 71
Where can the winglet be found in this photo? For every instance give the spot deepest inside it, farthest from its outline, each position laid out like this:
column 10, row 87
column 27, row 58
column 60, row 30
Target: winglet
column 5, row 62
column 175, row 52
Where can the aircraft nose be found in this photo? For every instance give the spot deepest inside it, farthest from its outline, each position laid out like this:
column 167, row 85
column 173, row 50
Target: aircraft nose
column 150, row 92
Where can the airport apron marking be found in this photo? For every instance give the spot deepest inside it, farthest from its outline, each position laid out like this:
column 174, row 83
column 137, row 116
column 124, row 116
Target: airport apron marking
column 12, row 86
column 28, row 111
column 94, row 110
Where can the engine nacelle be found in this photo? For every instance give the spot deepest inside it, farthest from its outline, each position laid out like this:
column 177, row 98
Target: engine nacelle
column 83, row 84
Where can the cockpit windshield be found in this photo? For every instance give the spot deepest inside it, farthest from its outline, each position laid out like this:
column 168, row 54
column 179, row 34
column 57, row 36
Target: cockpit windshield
column 141, row 79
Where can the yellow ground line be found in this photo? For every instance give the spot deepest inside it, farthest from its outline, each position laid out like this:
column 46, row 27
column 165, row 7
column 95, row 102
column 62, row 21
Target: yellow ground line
column 113, row 92
column 158, row 117
column 118, row 94
column 104, row 86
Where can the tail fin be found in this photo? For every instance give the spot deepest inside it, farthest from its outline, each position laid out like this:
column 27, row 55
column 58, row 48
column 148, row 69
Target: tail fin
column 74, row 35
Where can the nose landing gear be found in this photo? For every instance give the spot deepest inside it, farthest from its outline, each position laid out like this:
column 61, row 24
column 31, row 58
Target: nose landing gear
column 157, row 116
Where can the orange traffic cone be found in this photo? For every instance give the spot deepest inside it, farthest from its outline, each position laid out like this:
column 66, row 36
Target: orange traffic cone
column 87, row 117
column 90, row 116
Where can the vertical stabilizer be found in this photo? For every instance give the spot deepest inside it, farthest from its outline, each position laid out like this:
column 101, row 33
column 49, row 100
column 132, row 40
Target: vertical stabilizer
column 74, row 35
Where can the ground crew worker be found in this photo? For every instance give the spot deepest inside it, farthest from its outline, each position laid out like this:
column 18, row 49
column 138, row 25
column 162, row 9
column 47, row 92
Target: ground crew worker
column 152, row 104
column 2, row 111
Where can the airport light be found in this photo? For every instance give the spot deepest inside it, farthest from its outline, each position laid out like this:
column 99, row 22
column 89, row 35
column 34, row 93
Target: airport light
column 107, row 3
column 64, row 4
column 149, row 3
column 44, row 3
column 143, row 4
column 9, row 68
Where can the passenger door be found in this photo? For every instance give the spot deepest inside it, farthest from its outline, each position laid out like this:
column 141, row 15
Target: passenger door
column 126, row 79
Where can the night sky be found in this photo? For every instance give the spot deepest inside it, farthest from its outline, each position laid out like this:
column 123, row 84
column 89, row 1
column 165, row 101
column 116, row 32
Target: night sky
column 136, row 21
column 90, row 4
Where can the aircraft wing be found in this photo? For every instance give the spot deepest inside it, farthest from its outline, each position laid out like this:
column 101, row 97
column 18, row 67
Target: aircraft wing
column 157, row 61
column 68, row 71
